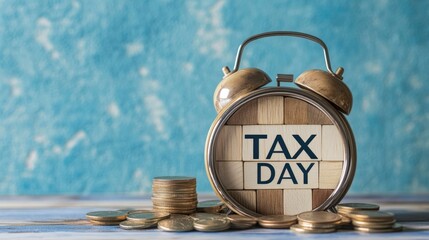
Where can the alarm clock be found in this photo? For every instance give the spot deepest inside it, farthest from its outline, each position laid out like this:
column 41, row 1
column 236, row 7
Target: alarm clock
column 281, row 150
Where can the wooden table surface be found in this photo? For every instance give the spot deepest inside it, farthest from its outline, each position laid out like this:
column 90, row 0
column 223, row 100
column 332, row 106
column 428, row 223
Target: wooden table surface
column 63, row 217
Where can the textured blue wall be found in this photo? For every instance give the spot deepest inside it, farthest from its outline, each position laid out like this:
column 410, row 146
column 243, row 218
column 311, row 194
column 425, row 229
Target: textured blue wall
column 100, row 96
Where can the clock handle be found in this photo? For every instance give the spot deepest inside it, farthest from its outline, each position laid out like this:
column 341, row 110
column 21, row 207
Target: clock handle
column 288, row 34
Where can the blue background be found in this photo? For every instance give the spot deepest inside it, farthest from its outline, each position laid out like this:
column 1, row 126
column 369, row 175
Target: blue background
column 100, row 96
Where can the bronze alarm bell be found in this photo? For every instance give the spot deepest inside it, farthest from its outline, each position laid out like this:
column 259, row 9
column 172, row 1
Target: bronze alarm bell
column 235, row 84
column 327, row 84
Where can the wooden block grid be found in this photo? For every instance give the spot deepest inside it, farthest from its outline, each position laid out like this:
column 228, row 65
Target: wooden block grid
column 236, row 164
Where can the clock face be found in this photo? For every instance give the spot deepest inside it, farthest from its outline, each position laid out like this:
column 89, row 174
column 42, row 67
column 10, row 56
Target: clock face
column 279, row 155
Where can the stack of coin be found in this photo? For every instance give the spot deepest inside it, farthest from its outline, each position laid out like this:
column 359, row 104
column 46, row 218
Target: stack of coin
column 142, row 220
column 212, row 225
column 106, row 217
column 345, row 209
column 241, row 222
column 316, row 222
column 277, row 221
column 174, row 194
column 374, row 221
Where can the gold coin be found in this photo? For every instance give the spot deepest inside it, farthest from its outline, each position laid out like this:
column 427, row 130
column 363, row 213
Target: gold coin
column 139, row 211
column 106, row 216
column 300, row 229
column 395, row 228
column 174, row 179
column 317, row 225
column 177, row 224
column 276, row 225
column 147, row 216
column 319, row 217
column 210, row 206
column 130, row 225
column 372, row 216
column 386, row 224
column 349, row 207
column 273, row 219
column 174, row 211
column 175, row 215
column 104, row 223
column 212, row 225
column 344, row 220
column 244, row 219
column 241, row 222
column 207, row 216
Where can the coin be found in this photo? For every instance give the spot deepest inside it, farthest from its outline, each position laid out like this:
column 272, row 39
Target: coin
column 276, row 225
column 386, row 224
column 300, row 229
column 105, row 223
column 106, row 216
column 139, row 211
column 395, row 228
column 241, row 222
column 349, row 207
column 177, row 224
column 207, row 216
column 372, row 216
column 212, row 225
column 210, row 206
column 174, row 178
column 278, row 219
column 174, row 215
column 129, row 225
column 317, row 225
column 344, row 220
column 147, row 216
column 319, row 217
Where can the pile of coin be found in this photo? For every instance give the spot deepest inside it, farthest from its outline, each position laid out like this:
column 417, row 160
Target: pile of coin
column 174, row 198
column 366, row 217
column 316, row 222
column 174, row 194
column 277, row 221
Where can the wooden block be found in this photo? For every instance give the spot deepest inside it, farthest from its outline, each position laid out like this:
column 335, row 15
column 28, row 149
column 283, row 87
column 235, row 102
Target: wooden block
column 245, row 198
column 320, row 196
column 231, row 174
column 315, row 116
column 332, row 144
column 281, row 175
column 247, row 114
column 269, row 202
column 281, row 142
column 228, row 143
column 329, row 174
column 270, row 110
column 297, row 201
column 295, row 111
